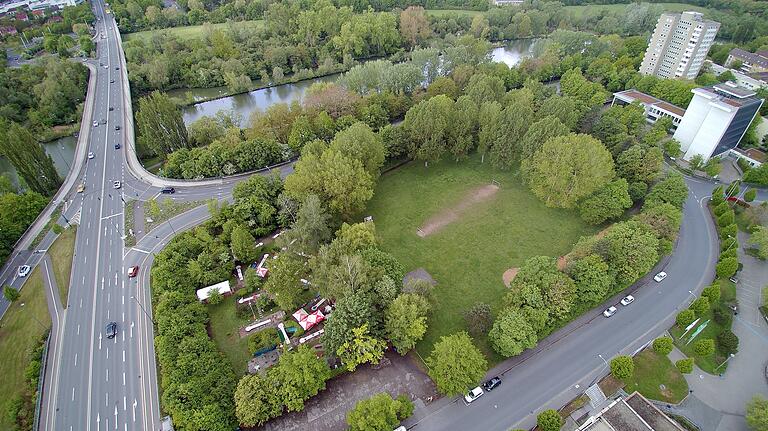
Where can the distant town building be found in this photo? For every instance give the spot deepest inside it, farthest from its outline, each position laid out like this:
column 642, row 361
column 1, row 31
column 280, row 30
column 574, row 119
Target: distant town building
column 751, row 81
column 655, row 109
column 9, row 5
column 750, row 61
column 716, row 120
column 507, row 2
column 8, row 31
column 633, row 413
column 679, row 45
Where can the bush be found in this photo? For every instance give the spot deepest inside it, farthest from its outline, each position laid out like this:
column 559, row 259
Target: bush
column 263, row 339
column 704, row 347
column 478, row 319
column 727, row 267
column 57, row 228
column 722, row 316
column 731, row 252
column 750, row 195
column 685, row 365
column 712, row 293
column 622, row 367
column 727, row 231
column 700, row 306
column 685, row 318
column 727, row 342
column 726, row 219
column 549, row 420
column 717, row 196
column 728, row 243
column 215, row 298
column 662, row 345
column 721, row 209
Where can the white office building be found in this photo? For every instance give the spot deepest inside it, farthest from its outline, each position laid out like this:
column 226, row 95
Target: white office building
column 7, row 6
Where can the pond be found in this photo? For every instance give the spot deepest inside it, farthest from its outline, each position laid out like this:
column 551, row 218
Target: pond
column 61, row 150
column 514, row 51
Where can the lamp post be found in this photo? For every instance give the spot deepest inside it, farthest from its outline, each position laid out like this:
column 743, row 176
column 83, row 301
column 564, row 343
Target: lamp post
column 601, row 357
column 732, row 243
column 726, row 360
column 692, row 295
column 142, row 309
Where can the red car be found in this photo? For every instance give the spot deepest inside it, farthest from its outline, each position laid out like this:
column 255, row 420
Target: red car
column 132, row 271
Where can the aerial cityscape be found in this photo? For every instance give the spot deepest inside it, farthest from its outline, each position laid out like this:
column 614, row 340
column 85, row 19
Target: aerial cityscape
column 327, row 215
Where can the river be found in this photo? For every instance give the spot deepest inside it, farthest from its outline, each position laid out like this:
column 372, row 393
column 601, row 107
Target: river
column 61, row 151
column 242, row 105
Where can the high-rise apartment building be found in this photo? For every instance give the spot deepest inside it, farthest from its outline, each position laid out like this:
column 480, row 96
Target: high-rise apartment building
column 679, row 45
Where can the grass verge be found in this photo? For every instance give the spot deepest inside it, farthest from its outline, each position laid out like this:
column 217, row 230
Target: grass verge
column 61, row 252
column 53, row 220
column 191, row 31
column 224, row 327
column 20, row 330
column 468, row 256
column 653, row 370
column 709, row 363
column 163, row 210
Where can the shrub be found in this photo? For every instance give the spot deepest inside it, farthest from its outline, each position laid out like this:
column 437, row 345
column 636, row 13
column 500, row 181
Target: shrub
column 717, row 196
column 700, row 306
column 622, row 367
column 712, row 293
column 727, row 267
column 549, row 420
column 263, row 339
column 727, row 342
column 728, row 243
column 57, row 228
column 215, row 298
column 478, row 319
column 662, row 345
column 685, row 365
column 722, row 316
column 721, row 209
column 704, row 347
column 685, row 318
column 750, row 195
column 731, row 252
column 727, row 231
column 726, row 219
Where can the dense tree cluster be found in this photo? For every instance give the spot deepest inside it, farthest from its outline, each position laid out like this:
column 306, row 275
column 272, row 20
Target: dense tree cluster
column 379, row 413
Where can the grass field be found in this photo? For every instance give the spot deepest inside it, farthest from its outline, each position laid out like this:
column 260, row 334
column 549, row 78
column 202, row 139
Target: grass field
column 653, row 370
column 451, row 12
column 224, row 327
column 20, row 328
column 191, row 31
column 467, row 257
column 61, row 254
column 578, row 11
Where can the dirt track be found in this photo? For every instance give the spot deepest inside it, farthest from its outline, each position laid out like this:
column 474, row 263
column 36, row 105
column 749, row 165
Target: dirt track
column 450, row 215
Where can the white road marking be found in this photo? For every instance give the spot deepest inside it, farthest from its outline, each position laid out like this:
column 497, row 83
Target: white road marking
column 123, row 378
column 134, row 409
column 123, row 355
column 75, row 359
column 99, row 341
column 73, row 393
column 125, row 405
column 107, row 375
column 110, row 216
column 140, row 250
column 106, row 398
column 78, row 330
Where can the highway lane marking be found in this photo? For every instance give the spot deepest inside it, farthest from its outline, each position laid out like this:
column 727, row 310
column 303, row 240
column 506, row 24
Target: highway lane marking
column 75, row 359
column 123, row 355
column 107, row 375
column 99, row 341
column 73, row 393
column 110, row 216
column 140, row 250
column 78, row 333
column 123, row 378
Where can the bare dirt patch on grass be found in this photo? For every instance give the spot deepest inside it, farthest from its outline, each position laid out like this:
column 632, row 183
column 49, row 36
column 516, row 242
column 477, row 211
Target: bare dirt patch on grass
column 450, row 215
column 509, row 275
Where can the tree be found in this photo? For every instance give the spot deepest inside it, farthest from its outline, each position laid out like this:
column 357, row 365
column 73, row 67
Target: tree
column 160, row 125
column 505, row 151
column 757, row 413
column 549, row 420
column 672, row 148
column 631, row 250
column 712, row 293
column 671, row 190
column 243, row 244
column 562, row 107
column 284, row 282
column 429, row 124
column 700, row 306
column 568, row 168
column 622, row 367
column 759, row 238
column 511, row 333
column 685, row 318
column 718, row 196
column 28, row 157
column 414, row 25
column 726, row 219
column 727, row 342
column 455, row 364
column 311, row 228
column 406, row 321
column 539, row 133
column 10, row 293
column 592, row 277
column 358, row 142
column 606, row 203
column 379, row 413
column 685, row 365
column 352, row 311
column 663, row 219
column 361, row 348
column 727, row 267
column 704, row 347
column 639, row 163
column 663, row 345
column 478, row 319
column 299, row 375
column 750, row 195
column 256, row 400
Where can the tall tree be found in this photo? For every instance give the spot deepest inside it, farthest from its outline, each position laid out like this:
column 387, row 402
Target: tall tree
column 539, row 133
column 256, row 400
column 28, row 157
column 515, row 119
column 361, row 348
column 489, row 119
column 511, row 333
column 379, row 413
column 299, row 376
column 455, row 364
column 406, row 321
column 161, row 126
column 414, row 25
column 243, row 244
column 464, row 128
column 607, row 203
column 311, row 228
column 284, row 282
column 429, row 124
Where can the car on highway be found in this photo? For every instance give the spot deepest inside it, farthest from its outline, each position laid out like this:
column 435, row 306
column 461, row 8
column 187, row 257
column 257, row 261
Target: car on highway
column 117, row 146
column 610, row 311
column 111, row 330
column 492, row 384
column 111, row 108
column 473, row 395
column 103, row 121
column 117, row 67
column 23, row 270
column 111, row 81
column 660, row 276
column 91, row 155
column 81, row 188
column 95, row 124
column 168, row 190
column 116, row 184
column 106, row 67
column 132, row 271
column 627, row 300
column 117, row 127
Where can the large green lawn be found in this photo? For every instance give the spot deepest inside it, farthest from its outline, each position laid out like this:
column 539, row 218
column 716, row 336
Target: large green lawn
column 653, row 370
column 225, row 325
column 191, row 31
column 466, row 258
column 667, row 7
column 20, row 329
column 61, row 255
column 451, row 12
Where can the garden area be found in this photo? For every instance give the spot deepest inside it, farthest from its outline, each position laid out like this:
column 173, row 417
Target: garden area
column 652, row 370
column 481, row 238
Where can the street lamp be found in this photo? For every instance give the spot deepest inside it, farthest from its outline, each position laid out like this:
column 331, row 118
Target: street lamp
column 692, row 295
column 732, row 243
column 601, row 357
column 142, row 309
column 726, row 360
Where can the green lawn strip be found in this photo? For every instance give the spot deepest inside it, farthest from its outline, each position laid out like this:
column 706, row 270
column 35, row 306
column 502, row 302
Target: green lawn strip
column 225, row 324
column 20, row 328
column 165, row 210
column 727, row 292
column 580, row 10
column 191, row 31
column 706, row 363
column 61, row 252
column 653, row 370
column 467, row 257
column 452, row 12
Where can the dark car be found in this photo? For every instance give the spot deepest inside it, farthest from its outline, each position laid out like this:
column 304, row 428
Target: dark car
column 168, row 190
column 492, row 384
column 117, row 146
column 117, row 127
column 111, row 108
column 111, row 81
column 111, row 329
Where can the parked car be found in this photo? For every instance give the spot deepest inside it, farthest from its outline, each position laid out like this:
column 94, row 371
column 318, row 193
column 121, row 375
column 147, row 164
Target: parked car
column 473, row 395
column 23, row 270
column 91, row 155
column 168, row 190
column 111, row 108
column 610, row 311
column 132, row 271
column 492, row 384
column 660, row 276
column 111, row 81
column 627, row 300
column 111, row 329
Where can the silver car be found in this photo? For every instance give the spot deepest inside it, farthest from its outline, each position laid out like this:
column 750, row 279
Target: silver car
column 610, row 311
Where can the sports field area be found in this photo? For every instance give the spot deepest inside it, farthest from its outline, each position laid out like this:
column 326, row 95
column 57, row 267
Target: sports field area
column 191, row 31
column 466, row 223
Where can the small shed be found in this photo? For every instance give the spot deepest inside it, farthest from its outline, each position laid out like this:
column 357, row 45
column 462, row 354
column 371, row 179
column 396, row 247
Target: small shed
column 223, row 288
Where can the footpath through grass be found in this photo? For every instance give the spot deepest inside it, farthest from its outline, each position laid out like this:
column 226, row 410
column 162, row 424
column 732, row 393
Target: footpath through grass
column 653, row 370
column 61, row 252
column 467, row 257
column 20, row 328
column 192, row 31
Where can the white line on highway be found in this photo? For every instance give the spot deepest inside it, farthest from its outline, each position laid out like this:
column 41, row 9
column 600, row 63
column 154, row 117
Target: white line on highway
column 131, row 329
column 125, row 405
column 123, row 355
column 123, row 319
column 75, row 359
column 107, row 314
column 81, row 302
column 107, row 375
column 123, row 301
column 106, row 398
column 123, row 378
column 109, row 296
column 110, row 216
column 140, row 250
column 99, row 341
column 107, row 353
column 78, row 329
column 102, row 286
column 134, row 409
column 83, row 279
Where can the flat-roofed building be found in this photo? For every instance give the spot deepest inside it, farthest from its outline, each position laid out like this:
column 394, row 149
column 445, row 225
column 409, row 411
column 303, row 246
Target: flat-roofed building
column 633, row 413
column 655, row 108
column 750, row 61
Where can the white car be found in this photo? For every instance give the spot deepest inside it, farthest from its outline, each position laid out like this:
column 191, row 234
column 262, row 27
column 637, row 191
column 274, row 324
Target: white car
column 91, row 155
column 473, row 394
column 95, row 124
column 116, row 184
column 660, row 276
column 610, row 311
column 627, row 300
column 24, row 270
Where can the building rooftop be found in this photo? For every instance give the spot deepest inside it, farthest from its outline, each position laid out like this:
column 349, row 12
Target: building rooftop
column 634, row 413
column 728, row 93
column 752, row 153
column 632, row 95
column 760, row 58
column 734, row 90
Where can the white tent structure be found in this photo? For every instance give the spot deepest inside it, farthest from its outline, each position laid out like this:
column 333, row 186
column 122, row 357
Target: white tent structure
column 205, row 293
